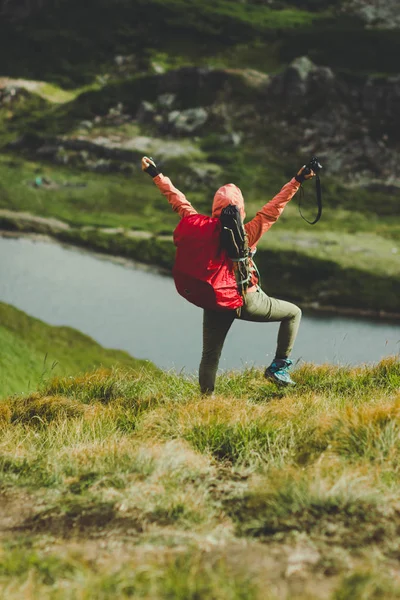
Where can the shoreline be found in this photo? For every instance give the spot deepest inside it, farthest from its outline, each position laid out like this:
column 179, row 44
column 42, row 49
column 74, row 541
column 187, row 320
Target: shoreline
column 310, row 307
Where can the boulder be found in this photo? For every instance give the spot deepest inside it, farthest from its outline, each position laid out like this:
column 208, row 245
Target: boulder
column 232, row 138
column 384, row 14
column 11, row 94
column 187, row 121
column 162, row 149
column 166, row 101
column 300, row 83
column 146, row 112
column 86, row 124
column 203, row 174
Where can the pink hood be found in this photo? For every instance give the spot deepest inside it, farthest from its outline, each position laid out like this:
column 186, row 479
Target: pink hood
column 228, row 194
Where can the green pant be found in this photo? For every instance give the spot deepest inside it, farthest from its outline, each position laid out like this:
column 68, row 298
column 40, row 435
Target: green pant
column 258, row 307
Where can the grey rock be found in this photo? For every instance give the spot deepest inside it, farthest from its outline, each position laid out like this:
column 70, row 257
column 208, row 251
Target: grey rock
column 301, row 82
column 84, row 155
column 62, row 157
column 205, row 172
column 383, row 14
column 232, row 138
column 198, row 173
column 101, row 166
column 353, row 125
column 116, row 111
column 158, row 68
column 48, row 151
column 173, row 117
column 119, row 60
column 146, row 112
column 161, row 148
column 86, row 124
column 187, row 121
column 166, row 100
column 124, row 60
column 9, row 94
column 303, row 67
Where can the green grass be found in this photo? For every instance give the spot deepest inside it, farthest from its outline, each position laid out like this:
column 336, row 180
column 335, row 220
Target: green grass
column 125, row 484
column 88, row 199
column 32, row 351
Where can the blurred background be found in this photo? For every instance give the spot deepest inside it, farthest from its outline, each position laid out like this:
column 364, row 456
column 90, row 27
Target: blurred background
column 216, row 91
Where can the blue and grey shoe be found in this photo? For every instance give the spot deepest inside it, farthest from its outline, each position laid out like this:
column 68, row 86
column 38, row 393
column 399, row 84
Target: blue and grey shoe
column 278, row 371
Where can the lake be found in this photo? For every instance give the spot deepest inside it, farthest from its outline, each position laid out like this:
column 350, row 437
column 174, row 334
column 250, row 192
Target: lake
column 132, row 308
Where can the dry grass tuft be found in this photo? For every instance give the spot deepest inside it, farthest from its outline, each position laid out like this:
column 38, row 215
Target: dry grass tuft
column 5, row 414
column 37, row 409
column 371, row 431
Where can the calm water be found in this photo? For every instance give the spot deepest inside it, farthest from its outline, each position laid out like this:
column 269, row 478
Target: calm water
column 132, row 309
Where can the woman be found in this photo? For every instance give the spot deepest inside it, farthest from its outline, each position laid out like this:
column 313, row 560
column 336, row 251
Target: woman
column 258, row 306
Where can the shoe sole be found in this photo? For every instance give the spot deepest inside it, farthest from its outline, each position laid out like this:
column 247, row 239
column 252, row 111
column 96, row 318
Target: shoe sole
column 278, row 381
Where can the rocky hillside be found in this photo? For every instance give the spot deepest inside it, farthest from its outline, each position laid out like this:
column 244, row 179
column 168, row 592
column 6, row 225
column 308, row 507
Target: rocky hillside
column 322, row 77
column 383, row 14
column 352, row 122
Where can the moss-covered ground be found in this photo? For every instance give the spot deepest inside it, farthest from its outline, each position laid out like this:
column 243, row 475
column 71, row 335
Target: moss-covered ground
column 119, row 484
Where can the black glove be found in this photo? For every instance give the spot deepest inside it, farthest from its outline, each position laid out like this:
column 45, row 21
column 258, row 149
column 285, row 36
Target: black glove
column 149, row 166
column 304, row 173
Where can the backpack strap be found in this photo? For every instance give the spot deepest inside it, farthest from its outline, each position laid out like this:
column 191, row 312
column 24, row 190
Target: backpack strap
column 234, row 241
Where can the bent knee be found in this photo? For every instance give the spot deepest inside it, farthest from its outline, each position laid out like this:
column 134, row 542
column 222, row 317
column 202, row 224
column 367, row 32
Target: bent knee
column 295, row 313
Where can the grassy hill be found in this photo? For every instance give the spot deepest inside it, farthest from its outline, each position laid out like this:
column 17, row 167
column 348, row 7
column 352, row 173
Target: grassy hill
column 32, row 351
column 120, row 485
column 118, row 480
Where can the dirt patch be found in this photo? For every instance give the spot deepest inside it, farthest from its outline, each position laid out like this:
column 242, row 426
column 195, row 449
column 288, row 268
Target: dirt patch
column 98, row 536
column 15, row 508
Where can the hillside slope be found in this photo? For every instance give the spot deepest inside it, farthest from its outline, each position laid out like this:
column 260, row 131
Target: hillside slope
column 32, row 351
column 121, row 485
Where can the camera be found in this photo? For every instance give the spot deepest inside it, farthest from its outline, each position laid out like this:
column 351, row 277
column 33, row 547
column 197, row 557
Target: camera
column 314, row 165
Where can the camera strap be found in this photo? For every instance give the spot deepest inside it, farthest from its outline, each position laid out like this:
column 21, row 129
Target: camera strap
column 318, row 192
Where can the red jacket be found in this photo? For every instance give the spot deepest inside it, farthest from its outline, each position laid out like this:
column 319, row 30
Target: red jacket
column 231, row 194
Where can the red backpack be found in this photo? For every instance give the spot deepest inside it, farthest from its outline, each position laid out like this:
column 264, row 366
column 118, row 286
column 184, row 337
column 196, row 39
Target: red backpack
column 203, row 272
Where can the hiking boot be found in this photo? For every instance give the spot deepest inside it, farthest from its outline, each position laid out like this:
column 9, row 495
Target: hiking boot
column 278, row 371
